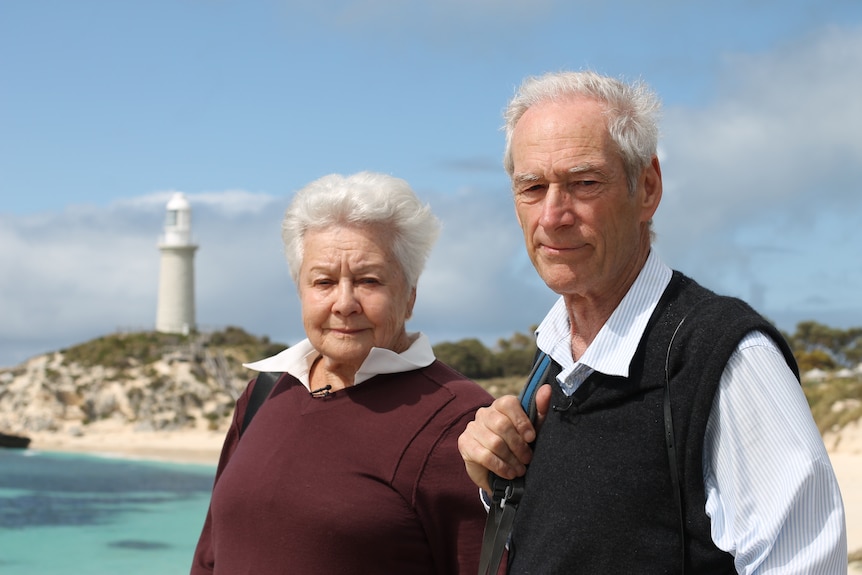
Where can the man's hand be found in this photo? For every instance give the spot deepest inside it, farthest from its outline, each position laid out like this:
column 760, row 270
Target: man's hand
column 498, row 439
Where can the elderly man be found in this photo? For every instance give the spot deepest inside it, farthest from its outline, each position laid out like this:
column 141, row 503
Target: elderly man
column 742, row 483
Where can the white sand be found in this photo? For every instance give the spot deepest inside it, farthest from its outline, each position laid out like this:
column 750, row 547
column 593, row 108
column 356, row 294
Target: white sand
column 848, row 469
column 176, row 446
column 845, row 452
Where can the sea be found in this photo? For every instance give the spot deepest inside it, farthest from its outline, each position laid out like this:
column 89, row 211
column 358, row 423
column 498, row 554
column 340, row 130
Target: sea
column 64, row 513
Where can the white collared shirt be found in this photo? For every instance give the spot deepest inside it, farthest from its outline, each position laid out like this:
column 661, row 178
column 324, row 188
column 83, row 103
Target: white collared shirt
column 788, row 522
column 298, row 359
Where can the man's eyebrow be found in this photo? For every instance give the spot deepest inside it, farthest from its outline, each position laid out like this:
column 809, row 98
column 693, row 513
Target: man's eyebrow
column 529, row 177
column 525, row 177
column 586, row 168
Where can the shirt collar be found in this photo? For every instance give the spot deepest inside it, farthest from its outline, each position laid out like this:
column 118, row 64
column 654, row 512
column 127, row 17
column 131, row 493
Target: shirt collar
column 298, row 359
column 613, row 348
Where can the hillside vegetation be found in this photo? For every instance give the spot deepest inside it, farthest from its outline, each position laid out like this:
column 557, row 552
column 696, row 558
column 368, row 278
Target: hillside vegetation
column 148, row 380
column 155, row 381
column 835, row 396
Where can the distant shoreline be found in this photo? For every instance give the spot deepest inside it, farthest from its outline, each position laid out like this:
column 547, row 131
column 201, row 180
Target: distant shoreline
column 115, row 456
column 197, row 447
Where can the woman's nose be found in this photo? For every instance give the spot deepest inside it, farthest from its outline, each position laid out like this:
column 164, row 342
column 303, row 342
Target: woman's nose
column 345, row 299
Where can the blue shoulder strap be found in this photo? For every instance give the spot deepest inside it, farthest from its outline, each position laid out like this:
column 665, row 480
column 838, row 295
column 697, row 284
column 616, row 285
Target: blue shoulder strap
column 527, row 396
column 506, row 494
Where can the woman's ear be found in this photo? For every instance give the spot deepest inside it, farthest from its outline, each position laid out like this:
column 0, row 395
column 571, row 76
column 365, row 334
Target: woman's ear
column 411, row 301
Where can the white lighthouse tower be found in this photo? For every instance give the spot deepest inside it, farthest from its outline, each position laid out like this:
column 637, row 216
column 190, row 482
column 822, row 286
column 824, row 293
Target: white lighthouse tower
column 176, row 309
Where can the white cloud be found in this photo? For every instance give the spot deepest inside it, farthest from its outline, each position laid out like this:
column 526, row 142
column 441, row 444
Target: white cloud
column 227, row 202
column 235, row 202
column 784, row 124
column 74, row 274
column 773, row 162
column 84, row 272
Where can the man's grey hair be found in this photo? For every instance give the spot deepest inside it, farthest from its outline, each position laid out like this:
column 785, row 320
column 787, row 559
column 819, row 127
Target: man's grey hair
column 632, row 111
column 363, row 200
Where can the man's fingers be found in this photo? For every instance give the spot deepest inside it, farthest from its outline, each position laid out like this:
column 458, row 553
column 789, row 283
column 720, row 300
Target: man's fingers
column 497, row 441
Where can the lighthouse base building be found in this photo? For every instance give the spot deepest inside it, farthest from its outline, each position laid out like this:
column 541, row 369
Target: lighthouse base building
column 176, row 312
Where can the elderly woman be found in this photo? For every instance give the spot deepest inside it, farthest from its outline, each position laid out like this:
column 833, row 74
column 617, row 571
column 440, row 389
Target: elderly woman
column 351, row 465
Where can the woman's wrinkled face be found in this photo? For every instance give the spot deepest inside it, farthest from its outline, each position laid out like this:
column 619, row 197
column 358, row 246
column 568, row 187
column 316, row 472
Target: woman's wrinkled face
column 353, row 294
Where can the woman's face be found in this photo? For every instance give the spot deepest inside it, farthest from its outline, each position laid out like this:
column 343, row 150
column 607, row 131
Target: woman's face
column 353, row 294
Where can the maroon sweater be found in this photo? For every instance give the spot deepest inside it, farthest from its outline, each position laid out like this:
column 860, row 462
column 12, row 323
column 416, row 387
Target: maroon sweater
column 368, row 480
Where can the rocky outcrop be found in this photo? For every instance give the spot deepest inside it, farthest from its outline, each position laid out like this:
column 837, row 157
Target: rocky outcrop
column 190, row 384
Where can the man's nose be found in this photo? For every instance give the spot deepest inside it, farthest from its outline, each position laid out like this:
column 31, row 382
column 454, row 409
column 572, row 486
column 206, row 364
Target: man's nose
column 557, row 208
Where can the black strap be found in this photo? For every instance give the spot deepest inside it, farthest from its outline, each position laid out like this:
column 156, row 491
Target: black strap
column 263, row 384
column 506, row 493
column 670, row 441
column 498, row 525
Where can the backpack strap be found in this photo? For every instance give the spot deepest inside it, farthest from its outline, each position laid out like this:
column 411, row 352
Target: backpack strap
column 670, row 443
column 538, row 377
column 506, row 493
column 264, row 382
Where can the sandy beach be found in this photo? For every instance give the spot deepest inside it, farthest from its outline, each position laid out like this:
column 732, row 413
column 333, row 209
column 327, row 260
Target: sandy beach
column 845, row 452
column 175, row 446
column 848, row 469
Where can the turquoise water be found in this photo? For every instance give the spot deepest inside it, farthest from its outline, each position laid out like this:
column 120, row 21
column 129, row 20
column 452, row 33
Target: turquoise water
column 62, row 513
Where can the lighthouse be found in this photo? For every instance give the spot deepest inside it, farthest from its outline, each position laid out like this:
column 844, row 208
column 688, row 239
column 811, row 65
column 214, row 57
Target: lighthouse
column 176, row 307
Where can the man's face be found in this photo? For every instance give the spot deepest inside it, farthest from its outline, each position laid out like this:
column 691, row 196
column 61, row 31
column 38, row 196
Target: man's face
column 586, row 235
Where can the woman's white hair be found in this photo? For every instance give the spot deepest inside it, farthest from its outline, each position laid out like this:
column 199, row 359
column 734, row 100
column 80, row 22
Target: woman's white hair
column 632, row 112
column 365, row 199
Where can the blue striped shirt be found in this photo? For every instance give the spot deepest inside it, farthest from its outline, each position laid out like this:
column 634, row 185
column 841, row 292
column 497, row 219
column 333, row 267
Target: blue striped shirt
column 771, row 494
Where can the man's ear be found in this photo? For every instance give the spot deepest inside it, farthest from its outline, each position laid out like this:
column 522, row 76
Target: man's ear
column 651, row 189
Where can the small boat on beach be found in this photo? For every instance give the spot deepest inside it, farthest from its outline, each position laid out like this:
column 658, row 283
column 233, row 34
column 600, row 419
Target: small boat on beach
column 14, row 441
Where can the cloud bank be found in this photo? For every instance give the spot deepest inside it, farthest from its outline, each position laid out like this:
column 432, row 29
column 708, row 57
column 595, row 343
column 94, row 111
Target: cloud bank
column 761, row 201
column 761, row 187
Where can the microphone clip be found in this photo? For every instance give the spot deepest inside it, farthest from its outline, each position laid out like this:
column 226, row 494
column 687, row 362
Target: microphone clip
column 322, row 392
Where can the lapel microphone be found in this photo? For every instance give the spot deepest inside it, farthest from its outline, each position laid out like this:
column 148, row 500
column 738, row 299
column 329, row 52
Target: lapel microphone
column 321, row 392
column 563, row 407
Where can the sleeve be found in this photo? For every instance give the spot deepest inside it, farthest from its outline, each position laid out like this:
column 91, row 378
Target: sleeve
column 203, row 561
column 772, row 495
column 452, row 516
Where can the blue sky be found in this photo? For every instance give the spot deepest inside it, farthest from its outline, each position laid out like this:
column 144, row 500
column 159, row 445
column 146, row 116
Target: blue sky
column 107, row 107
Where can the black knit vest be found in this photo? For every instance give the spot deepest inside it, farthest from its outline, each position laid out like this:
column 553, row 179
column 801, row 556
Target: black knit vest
column 599, row 497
